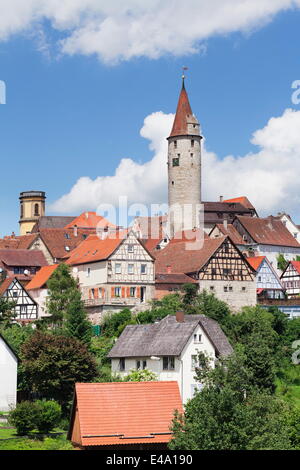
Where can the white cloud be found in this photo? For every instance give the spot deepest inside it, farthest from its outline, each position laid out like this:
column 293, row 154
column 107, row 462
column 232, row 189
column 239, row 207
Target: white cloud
column 269, row 177
column 121, row 30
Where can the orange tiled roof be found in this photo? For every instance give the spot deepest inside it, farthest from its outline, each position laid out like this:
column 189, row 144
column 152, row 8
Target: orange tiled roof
column 17, row 243
column 90, row 220
column 61, row 241
column 95, row 249
column 296, row 265
column 41, row 277
column 120, row 413
column 5, row 284
column 242, row 200
column 255, row 261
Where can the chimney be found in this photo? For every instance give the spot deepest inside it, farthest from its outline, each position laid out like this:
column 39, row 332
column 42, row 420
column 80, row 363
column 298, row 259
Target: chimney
column 221, row 198
column 180, row 317
column 225, row 223
column 75, row 231
column 169, row 269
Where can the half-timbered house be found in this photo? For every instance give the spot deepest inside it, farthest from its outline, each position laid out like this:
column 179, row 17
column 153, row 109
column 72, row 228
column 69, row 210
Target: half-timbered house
column 268, row 283
column 290, row 279
column 26, row 309
column 219, row 267
column 113, row 273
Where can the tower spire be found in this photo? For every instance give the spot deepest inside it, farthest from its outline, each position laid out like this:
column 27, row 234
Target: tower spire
column 184, row 113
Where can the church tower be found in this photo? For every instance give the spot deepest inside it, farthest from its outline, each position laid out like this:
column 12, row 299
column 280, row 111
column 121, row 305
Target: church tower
column 184, row 168
column 32, row 207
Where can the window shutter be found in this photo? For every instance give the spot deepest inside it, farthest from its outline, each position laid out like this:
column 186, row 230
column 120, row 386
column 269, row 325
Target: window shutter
column 138, row 292
column 96, row 293
column 112, row 292
column 103, row 293
column 90, row 294
column 123, row 291
column 128, row 292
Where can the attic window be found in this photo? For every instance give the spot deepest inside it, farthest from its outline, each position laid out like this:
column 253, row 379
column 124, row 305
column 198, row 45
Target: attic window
column 130, row 248
column 67, row 235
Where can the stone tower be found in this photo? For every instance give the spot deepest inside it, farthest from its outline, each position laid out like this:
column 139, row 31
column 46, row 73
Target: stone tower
column 32, row 207
column 184, row 168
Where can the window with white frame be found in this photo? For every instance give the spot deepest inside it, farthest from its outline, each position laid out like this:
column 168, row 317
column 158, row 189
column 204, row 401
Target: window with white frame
column 88, row 272
column 117, row 291
column 130, row 248
column 118, row 268
column 197, row 338
column 122, row 364
column 143, row 269
column 141, row 364
column 132, row 291
column 130, row 268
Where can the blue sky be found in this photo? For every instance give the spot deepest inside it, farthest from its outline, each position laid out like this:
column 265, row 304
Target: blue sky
column 69, row 116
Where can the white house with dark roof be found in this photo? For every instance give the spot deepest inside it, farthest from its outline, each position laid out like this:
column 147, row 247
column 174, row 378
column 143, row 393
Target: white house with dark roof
column 170, row 348
column 8, row 376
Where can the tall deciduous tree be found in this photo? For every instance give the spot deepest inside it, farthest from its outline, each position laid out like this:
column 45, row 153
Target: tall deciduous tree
column 52, row 364
column 61, row 291
column 77, row 324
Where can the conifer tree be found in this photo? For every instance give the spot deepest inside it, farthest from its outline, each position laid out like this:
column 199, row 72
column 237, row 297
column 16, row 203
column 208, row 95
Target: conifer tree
column 77, row 324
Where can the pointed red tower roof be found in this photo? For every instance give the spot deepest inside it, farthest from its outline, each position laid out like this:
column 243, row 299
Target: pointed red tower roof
column 183, row 114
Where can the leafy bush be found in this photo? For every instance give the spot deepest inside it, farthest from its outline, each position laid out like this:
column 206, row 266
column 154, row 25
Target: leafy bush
column 112, row 322
column 24, row 417
column 141, row 375
column 48, row 416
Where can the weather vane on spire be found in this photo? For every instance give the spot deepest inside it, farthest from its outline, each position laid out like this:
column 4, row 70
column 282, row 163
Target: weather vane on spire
column 183, row 72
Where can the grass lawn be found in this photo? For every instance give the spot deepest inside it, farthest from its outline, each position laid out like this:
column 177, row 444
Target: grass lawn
column 33, row 443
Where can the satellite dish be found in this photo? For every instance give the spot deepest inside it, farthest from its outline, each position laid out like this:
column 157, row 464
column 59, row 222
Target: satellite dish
column 26, row 272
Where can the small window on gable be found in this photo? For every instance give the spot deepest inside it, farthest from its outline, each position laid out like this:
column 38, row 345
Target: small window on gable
column 130, row 248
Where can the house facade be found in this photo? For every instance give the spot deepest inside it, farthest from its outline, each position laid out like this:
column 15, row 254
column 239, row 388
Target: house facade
column 26, row 308
column 170, row 349
column 268, row 283
column 290, row 279
column 8, row 374
column 267, row 237
column 219, row 267
column 113, row 273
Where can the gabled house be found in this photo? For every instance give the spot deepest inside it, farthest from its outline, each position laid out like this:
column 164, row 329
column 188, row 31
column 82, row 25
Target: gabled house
column 219, row 267
column 123, row 415
column 268, row 283
column 225, row 229
column 8, row 374
column 170, row 283
column 218, row 212
column 170, row 349
column 289, row 224
column 113, row 273
column 37, row 287
column 23, row 264
column 290, row 279
column 26, row 308
column 267, row 237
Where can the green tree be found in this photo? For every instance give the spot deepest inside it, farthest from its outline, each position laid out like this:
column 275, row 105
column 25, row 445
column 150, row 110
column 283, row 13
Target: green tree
column 282, row 263
column 77, row 324
column 229, row 413
column 7, row 312
column 61, row 291
column 53, row 364
column 208, row 304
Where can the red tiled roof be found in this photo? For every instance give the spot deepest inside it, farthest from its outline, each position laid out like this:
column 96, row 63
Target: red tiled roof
column 184, row 110
column 90, row 220
column 120, row 413
column 174, row 278
column 5, row 285
column 268, row 231
column 61, row 241
column 189, row 236
column 27, row 258
column 94, row 249
column 232, row 232
column 242, row 200
column 17, row 243
column 41, row 277
column 183, row 260
column 255, row 261
column 296, row 265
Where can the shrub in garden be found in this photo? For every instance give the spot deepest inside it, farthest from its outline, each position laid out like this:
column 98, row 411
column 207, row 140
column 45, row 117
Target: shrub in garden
column 24, row 417
column 49, row 415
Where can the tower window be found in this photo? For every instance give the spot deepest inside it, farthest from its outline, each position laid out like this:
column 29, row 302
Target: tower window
column 172, row 183
column 175, row 161
column 22, row 211
column 192, row 143
column 36, row 210
column 192, row 155
column 175, row 144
